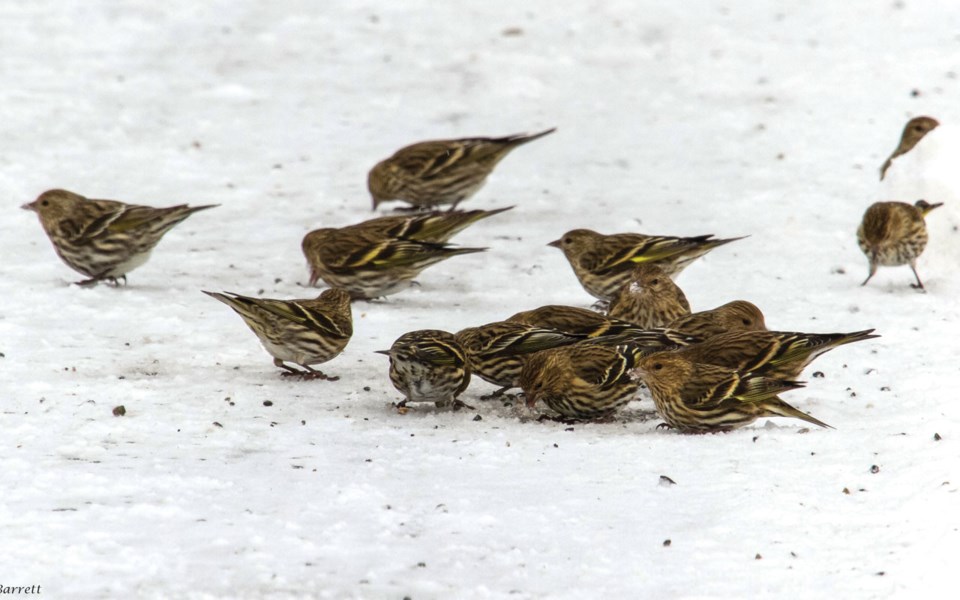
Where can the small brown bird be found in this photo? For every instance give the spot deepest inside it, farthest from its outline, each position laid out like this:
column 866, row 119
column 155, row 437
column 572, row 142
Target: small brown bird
column 498, row 351
column 597, row 327
column 697, row 398
column 104, row 239
column 777, row 354
column 433, row 173
column 893, row 234
column 369, row 265
column 738, row 315
column 914, row 131
column 428, row 365
column 604, row 263
column 582, row 381
column 302, row 332
column 432, row 226
column 649, row 299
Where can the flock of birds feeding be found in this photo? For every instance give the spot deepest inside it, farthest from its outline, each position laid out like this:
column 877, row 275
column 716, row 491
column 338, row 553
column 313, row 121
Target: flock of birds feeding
column 713, row 370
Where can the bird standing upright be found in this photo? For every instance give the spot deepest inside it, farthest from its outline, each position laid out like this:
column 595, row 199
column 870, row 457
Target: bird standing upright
column 913, row 132
column 893, row 234
column 368, row 264
column 604, row 263
column 104, row 239
column 438, row 172
column 303, row 332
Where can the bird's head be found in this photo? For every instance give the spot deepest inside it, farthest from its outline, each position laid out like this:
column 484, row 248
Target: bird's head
column 574, row 242
column 54, row 205
column 925, row 207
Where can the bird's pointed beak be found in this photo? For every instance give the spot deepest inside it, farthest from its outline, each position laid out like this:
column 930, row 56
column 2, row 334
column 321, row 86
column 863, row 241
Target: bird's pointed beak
column 387, row 352
column 531, row 401
column 27, row 206
column 935, row 205
column 555, row 243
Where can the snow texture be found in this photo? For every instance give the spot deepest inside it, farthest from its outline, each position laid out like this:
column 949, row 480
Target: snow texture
column 767, row 119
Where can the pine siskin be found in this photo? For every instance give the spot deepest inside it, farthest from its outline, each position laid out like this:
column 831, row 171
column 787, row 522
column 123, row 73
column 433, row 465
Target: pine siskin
column 913, row 132
column 599, row 328
column 432, row 173
column 104, row 239
column 498, row 351
column 369, row 265
column 433, row 226
column 697, row 397
column 303, row 332
column 428, row 365
column 893, row 234
column 582, row 381
column 738, row 315
column 777, row 354
column 604, row 263
column 649, row 299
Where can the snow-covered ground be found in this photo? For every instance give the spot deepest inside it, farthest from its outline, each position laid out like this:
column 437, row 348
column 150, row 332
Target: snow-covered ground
column 767, row 119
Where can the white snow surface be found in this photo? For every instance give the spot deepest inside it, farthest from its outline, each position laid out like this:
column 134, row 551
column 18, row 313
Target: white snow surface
column 767, row 119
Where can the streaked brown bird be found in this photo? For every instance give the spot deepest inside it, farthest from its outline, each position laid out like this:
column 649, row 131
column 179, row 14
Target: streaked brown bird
column 432, row 226
column 428, row 365
column 582, row 381
column 303, row 332
column 777, row 354
column 913, row 132
column 498, row 351
column 104, row 239
column 602, row 329
column 604, row 263
column 698, row 398
column 367, row 264
column 649, row 299
column 434, row 173
column 738, row 315
column 893, row 234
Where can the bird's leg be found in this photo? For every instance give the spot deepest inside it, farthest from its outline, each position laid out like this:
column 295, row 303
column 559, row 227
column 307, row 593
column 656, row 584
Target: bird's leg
column 88, row 282
column 309, row 373
column 919, row 284
column 496, row 394
column 873, row 271
column 458, row 404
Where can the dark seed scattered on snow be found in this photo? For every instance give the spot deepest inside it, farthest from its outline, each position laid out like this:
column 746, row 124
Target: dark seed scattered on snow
column 666, row 543
column 664, row 480
column 119, row 411
column 477, row 418
column 936, row 437
column 268, row 403
column 874, row 469
column 818, row 374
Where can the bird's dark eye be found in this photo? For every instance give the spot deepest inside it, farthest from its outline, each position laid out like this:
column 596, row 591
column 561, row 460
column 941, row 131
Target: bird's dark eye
column 45, row 203
column 746, row 321
column 567, row 240
column 657, row 366
column 655, row 282
column 918, row 128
